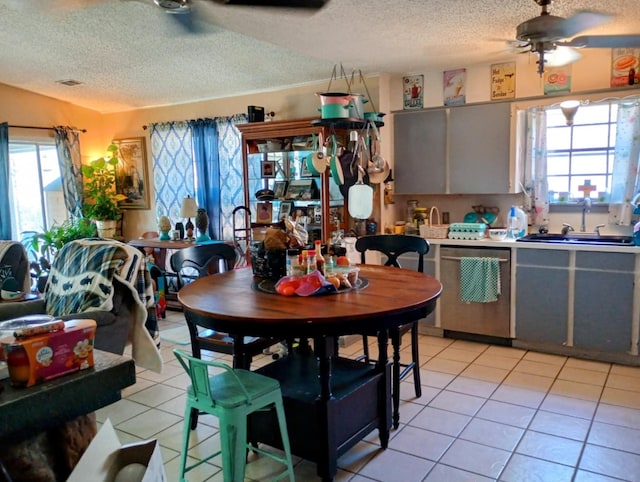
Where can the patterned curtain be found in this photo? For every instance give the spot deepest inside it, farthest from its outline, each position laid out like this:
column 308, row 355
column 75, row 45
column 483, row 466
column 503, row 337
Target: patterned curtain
column 5, row 211
column 535, row 169
column 231, row 179
column 70, row 161
column 625, row 183
column 176, row 148
column 205, row 150
column 173, row 174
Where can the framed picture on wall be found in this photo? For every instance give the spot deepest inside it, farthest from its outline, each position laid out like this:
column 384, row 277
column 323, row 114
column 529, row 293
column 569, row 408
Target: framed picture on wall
column 132, row 175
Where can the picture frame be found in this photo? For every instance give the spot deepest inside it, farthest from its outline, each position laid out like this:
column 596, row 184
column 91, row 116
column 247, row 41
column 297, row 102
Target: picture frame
column 280, row 189
column 264, row 213
column 286, row 207
column 303, row 189
column 413, row 92
column 304, row 170
column 268, row 169
column 132, row 174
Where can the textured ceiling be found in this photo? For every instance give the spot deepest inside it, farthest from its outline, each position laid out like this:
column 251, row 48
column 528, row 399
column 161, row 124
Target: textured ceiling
column 128, row 54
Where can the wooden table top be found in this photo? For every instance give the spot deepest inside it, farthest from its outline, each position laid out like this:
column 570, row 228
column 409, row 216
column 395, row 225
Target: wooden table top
column 236, row 306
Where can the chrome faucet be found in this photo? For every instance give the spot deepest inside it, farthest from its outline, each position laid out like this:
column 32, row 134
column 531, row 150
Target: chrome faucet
column 566, row 228
column 586, row 207
column 597, row 229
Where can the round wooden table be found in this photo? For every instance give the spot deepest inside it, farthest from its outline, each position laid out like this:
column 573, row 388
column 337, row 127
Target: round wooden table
column 331, row 402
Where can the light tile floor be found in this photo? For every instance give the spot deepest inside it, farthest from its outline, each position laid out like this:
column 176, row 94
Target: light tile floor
column 486, row 413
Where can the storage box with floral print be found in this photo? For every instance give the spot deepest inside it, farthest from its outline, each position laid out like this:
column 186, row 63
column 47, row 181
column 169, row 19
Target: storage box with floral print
column 38, row 358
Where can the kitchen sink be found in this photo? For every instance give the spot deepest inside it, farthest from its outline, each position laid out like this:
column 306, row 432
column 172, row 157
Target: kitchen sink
column 579, row 238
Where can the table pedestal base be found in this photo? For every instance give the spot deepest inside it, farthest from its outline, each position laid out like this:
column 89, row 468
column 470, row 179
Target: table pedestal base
column 321, row 430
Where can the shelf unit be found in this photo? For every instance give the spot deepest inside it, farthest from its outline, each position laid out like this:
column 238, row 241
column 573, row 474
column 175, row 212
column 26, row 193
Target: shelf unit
column 282, row 145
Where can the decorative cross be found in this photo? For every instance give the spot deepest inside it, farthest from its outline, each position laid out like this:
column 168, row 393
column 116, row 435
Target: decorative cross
column 586, row 188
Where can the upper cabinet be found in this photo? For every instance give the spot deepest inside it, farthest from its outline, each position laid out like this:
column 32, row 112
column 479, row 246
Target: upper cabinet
column 274, row 156
column 457, row 150
column 420, row 152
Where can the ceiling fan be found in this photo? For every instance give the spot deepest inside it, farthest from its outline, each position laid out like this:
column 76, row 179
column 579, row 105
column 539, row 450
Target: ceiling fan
column 189, row 14
column 546, row 36
column 186, row 4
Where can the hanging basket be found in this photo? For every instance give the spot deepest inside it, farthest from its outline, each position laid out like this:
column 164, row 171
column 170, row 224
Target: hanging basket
column 434, row 231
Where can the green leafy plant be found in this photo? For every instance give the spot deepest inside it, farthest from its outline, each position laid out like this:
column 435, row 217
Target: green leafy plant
column 43, row 247
column 100, row 187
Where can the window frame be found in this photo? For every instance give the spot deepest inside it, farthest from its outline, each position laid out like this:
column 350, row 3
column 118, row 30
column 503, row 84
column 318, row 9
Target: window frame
column 37, row 142
column 519, row 109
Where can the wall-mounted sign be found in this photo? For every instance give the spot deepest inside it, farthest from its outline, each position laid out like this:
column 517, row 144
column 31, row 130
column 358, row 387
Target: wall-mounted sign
column 413, row 91
column 454, row 86
column 503, row 81
column 557, row 80
column 625, row 68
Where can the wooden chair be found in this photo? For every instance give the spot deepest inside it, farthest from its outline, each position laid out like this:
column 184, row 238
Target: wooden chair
column 204, row 260
column 392, row 246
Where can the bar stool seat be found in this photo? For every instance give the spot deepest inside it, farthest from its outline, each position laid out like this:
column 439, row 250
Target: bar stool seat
column 231, row 396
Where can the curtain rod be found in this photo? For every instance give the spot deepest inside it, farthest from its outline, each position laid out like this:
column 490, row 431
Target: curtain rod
column 45, row 128
column 146, row 126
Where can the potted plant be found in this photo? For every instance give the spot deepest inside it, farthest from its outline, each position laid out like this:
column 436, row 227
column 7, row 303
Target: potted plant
column 100, row 190
column 43, row 246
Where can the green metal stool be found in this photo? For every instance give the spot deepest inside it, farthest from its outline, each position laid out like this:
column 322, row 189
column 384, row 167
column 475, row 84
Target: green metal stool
column 231, row 396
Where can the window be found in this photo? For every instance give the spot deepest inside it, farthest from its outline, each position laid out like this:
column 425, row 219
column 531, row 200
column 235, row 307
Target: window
column 582, row 153
column 37, row 201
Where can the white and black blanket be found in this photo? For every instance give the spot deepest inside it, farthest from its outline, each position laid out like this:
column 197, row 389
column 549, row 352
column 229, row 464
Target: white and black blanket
column 81, row 279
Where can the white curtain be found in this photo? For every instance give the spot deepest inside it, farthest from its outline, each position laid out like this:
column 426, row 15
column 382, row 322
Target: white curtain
column 535, row 170
column 625, row 183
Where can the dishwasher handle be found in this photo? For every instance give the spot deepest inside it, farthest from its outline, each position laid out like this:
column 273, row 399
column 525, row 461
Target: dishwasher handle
column 459, row 258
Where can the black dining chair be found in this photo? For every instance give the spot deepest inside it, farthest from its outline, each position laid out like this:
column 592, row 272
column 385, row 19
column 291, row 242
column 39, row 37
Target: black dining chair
column 204, row 260
column 392, row 246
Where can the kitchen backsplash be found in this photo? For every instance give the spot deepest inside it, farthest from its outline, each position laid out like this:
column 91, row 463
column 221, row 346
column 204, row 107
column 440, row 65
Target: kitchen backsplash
column 458, row 205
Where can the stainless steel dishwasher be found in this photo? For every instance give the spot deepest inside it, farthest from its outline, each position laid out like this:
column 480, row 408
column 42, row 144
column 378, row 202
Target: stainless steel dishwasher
column 489, row 319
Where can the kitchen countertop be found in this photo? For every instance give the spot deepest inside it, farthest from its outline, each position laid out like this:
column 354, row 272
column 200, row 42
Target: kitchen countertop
column 507, row 243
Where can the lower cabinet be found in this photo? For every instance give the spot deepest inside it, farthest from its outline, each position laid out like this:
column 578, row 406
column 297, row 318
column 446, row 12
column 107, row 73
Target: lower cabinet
column 542, row 290
column 582, row 299
column 603, row 301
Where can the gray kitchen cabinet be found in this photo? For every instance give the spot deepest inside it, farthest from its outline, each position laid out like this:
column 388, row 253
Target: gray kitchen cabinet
column 420, row 152
column 542, row 290
column 457, row 150
column 603, row 307
column 479, row 140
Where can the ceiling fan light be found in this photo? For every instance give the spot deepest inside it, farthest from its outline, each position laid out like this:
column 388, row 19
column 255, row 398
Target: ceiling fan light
column 174, row 6
column 569, row 109
column 561, row 56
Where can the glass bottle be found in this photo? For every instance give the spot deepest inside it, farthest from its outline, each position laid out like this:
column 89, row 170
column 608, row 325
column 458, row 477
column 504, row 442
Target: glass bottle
column 412, row 204
column 319, row 257
column 311, row 261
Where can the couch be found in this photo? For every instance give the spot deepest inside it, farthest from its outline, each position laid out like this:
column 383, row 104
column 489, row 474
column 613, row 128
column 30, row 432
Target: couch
column 103, row 280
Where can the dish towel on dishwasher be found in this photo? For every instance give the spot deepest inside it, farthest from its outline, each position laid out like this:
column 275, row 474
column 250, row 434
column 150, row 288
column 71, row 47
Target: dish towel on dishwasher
column 479, row 279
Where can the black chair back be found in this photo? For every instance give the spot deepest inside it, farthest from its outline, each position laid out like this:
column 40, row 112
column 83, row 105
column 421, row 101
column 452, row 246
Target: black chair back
column 392, row 246
column 204, row 259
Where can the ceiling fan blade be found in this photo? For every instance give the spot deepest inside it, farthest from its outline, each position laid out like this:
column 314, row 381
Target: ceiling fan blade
column 583, row 20
column 603, row 41
column 312, row 4
column 189, row 22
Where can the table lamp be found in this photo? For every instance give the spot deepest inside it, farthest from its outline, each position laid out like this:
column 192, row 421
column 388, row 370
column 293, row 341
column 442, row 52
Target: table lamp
column 189, row 210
